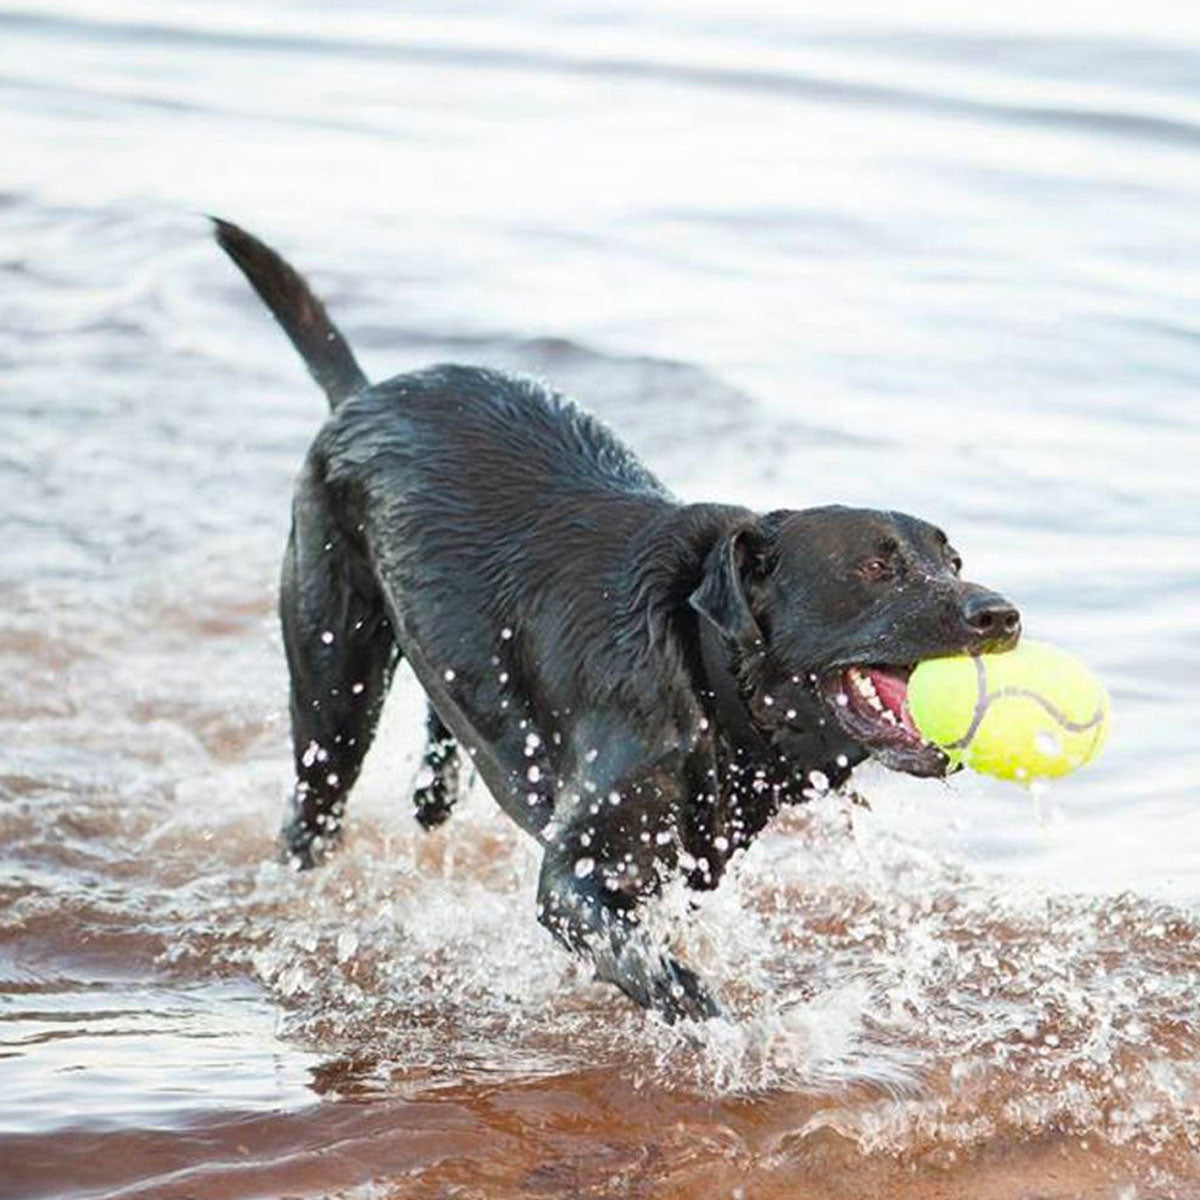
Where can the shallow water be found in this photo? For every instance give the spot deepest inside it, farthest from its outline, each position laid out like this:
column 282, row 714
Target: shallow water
column 949, row 265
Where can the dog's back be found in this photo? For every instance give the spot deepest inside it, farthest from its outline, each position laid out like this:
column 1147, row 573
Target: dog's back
column 500, row 455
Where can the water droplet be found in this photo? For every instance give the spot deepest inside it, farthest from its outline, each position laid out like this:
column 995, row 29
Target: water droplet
column 347, row 944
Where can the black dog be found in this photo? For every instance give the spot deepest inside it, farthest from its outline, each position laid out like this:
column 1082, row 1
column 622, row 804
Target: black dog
column 641, row 684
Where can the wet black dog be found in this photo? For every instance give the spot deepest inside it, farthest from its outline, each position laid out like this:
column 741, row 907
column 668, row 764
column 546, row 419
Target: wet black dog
column 641, row 684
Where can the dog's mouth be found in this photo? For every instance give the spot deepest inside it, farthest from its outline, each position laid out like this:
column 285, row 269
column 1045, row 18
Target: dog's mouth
column 870, row 704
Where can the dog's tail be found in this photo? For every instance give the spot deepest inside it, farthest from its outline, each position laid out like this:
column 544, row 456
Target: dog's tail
column 327, row 355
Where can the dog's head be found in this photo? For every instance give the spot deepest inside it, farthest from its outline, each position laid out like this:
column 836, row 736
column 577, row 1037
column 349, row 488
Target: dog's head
column 826, row 611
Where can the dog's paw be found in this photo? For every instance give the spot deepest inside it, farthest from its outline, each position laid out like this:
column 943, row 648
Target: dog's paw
column 433, row 805
column 302, row 847
column 439, row 784
column 659, row 982
column 679, row 994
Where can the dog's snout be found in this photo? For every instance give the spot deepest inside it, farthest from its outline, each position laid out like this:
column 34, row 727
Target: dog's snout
column 992, row 619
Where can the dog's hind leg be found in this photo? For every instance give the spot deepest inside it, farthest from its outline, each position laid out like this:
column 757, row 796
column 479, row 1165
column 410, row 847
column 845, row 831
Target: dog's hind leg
column 341, row 654
column 439, row 788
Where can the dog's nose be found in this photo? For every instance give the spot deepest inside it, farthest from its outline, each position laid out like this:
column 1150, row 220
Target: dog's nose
column 992, row 619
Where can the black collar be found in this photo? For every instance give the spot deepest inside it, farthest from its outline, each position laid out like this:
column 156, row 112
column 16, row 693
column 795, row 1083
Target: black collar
column 729, row 706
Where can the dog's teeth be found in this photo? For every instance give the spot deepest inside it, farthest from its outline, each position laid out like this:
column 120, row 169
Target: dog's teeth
column 890, row 717
column 875, row 703
column 863, row 685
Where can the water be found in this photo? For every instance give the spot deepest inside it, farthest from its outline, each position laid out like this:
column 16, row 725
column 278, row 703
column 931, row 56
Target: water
column 948, row 264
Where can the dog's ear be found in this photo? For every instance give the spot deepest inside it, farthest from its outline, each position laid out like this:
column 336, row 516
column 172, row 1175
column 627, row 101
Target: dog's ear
column 723, row 596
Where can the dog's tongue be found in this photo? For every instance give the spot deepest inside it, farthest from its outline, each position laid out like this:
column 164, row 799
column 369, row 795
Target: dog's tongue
column 890, row 688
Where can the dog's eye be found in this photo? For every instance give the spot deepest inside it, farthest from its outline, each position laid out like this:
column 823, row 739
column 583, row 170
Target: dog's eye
column 875, row 569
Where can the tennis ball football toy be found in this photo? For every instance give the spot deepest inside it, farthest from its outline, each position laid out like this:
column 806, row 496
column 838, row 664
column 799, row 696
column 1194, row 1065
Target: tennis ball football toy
column 1030, row 713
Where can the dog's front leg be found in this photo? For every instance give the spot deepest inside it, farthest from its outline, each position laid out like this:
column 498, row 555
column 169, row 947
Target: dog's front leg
column 592, row 908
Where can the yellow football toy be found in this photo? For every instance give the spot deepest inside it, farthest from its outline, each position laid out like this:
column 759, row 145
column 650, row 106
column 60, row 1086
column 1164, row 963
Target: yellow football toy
column 1031, row 713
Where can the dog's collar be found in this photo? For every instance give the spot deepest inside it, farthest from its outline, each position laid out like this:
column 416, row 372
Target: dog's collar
column 729, row 706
